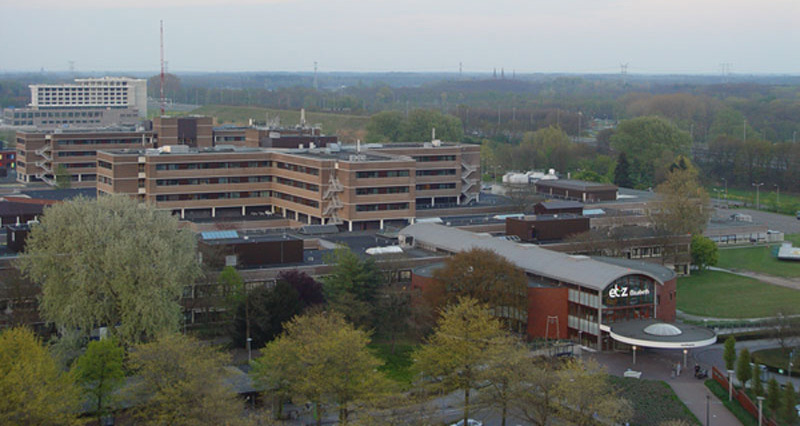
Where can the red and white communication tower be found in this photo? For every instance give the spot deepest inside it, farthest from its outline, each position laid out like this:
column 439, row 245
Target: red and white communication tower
column 162, row 68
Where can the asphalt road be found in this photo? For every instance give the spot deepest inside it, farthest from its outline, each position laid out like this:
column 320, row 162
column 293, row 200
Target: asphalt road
column 712, row 355
column 774, row 221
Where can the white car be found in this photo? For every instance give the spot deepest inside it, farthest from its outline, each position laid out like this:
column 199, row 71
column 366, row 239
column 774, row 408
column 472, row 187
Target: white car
column 470, row 422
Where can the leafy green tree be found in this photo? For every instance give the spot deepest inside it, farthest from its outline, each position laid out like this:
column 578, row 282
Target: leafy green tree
column 534, row 395
column 729, row 355
column 743, row 371
column 352, row 285
column 111, row 262
column 789, row 412
column 99, row 371
column 323, row 358
column 488, row 278
column 182, row 382
column 683, row 204
column 546, row 148
column 417, row 127
column 584, row 392
column 591, row 176
column 270, row 308
column 386, row 126
column 757, row 385
column 308, row 289
column 622, row 172
column 731, row 123
column 396, row 313
column 648, row 141
column 62, row 177
column 705, row 252
column 467, row 337
column 33, row 390
column 773, row 395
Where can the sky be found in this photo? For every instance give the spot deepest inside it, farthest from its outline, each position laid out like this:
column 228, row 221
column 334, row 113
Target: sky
column 533, row 36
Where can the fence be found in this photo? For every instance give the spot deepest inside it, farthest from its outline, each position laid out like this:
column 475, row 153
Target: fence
column 741, row 397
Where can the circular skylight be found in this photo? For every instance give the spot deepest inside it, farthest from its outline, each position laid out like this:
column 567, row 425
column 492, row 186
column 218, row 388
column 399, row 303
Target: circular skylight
column 662, row 329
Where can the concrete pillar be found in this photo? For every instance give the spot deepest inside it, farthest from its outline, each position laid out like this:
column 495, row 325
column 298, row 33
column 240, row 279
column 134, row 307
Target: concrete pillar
column 381, row 223
column 433, row 201
column 411, row 221
column 458, row 200
column 309, row 219
column 80, row 177
column 272, row 209
column 213, row 212
column 350, row 226
column 183, row 213
column 244, row 211
column 297, row 216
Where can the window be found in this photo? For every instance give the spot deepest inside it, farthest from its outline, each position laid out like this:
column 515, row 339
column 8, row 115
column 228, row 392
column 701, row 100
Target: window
column 437, row 172
column 378, row 174
column 382, row 190
column 381, row 207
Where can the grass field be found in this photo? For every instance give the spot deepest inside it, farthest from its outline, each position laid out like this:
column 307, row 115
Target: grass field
column 724, row 295
column 347, row 127
column 396, row 366
column 776, row 358
column 757, row 259
column 768, row 198
column 794, row 238
column 653, row 401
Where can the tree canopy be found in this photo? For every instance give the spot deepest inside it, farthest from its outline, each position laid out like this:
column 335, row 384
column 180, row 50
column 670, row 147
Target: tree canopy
column 683, row 203
column 705, row 252
column 270, row 308
column 33, row 390
column 183, row 382
column 99, row 371
column 323, row 358
column 110, row 262
column 651, row 143
column 392, row 126
column 352, row 285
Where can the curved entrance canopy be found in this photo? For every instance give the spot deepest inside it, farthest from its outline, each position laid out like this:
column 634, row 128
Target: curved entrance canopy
column 661, row 335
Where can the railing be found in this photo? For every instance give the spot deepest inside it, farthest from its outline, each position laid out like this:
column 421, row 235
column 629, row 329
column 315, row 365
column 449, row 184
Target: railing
column 741, row 397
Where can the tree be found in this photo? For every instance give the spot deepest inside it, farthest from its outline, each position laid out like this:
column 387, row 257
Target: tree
column 32, row 388
column 270, row 308
column 522, row 196
column 352, row 285
column 308, row 289
column 323, row 358
column 546, row 148
column 743, row 371
column 394, row 305
column 683, row 204
column 385, row 126
column 467, row 337
column 705, row 252
column 648, row 141
column 111, row 262
column 62, row 177
column 99, row 371
column 417, row 127
column 622, row 177
column 784, row 328
column 584, row 392
column 489, row 278
column 729, row 355
column 535, row 400
column 789, row 412
column 773, row 395
column 182, row 382
column 757, row 385
column 512, row 380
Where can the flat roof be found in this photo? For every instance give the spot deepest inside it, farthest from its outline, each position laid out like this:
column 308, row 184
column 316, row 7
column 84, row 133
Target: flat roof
column 576, row 184
column 558, row 204
column 579, row 270
column 317, row 153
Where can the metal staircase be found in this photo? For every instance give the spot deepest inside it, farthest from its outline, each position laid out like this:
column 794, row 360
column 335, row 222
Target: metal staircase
column 468, row 181
column 44, row 163
column 334, row 204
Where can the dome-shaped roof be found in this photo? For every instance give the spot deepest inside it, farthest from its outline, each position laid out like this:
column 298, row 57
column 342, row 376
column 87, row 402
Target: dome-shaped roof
column 662, row 329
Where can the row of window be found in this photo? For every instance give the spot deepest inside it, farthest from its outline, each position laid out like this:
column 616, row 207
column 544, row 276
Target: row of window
column 213, row 196
column 436, row 172
column 429, row 158
column 382, row 190
column 296, row 168
column 298, row 184
column 435, row 186
column 382, row 174
column 219, row 165
column 381, row 207
column 57, row 114
column 213, row 181
column 77, row 153
column 99, row 141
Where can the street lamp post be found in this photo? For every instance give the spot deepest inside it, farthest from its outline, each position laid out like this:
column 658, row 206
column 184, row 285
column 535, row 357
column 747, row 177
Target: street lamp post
column 634, row 355
column 778, row 195
column 685, row 352
column 708, row 412
column 249, row 349
column 726, row 190
column 760, row 404
column 730, row 385
column 758, row 187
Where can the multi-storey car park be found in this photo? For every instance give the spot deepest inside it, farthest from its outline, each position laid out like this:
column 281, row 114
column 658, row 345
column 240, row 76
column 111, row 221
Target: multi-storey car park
column 360, row 189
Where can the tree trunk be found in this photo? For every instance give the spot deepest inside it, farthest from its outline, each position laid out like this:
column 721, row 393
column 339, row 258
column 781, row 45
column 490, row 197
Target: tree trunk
column 316, row 414
column 504, row 413
column 343, row 414
column 466, row 406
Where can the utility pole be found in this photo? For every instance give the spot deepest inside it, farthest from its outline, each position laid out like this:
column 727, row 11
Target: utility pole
column 778, row 195
column 758, row 186
column 744, row 130
column 162, row 68
column 623, row 72
column 315, row 76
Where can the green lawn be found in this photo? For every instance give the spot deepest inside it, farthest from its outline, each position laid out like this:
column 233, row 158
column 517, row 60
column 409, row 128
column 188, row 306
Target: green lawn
column 777, row 358
column 793, row 238
column 724, row 295
column 343, row 125
column 768, row 198
column 653, row 401
column 758, row 259
column 396, row 366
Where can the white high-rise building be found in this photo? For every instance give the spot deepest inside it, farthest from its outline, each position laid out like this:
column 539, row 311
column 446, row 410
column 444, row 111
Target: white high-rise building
column 106, row 92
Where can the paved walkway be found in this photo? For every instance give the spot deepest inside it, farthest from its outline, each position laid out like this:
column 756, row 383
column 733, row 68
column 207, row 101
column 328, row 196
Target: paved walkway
column 657, row 365
column 770, row 279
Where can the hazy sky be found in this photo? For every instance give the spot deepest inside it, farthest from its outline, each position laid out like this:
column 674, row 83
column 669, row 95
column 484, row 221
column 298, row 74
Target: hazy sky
column 592, row 36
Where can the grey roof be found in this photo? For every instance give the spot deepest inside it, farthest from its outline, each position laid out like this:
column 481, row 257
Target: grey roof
column 580, row 270
column 663, row 274
column 60, row 194
column 575, row 184
column 690, row 334
column 561, row 204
